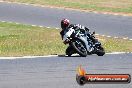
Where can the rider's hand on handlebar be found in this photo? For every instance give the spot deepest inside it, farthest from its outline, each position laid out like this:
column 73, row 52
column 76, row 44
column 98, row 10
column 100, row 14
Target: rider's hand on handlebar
column 66, row 41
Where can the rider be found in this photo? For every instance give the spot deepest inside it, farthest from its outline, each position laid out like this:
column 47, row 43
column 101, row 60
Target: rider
column 68, row 29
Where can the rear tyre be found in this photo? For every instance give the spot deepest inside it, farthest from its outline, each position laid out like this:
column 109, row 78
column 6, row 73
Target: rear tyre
column 80, row 48
column 101, row 51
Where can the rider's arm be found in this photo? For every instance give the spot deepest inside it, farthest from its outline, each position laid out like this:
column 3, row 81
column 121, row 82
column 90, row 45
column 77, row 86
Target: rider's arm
column 62, row 34
column 87, row 29
column 68, row 34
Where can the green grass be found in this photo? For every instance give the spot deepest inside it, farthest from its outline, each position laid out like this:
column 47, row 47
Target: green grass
column 20, row 40
column 123, row 6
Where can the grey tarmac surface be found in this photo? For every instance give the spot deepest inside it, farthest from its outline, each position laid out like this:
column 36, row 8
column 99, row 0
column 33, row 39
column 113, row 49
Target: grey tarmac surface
column 120, row 26
column 60, row 72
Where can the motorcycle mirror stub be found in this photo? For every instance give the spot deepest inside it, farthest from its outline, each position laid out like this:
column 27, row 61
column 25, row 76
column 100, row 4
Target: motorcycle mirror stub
column 83, row 78
column 93, row 32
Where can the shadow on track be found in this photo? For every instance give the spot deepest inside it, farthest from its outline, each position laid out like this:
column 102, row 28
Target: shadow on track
column 68, row 56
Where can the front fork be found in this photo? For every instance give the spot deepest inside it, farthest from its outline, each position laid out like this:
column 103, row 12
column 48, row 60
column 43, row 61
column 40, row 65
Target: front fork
column 87, row 44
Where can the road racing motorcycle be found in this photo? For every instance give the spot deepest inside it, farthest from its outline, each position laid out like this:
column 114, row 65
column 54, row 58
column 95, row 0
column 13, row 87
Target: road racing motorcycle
column 79, row 41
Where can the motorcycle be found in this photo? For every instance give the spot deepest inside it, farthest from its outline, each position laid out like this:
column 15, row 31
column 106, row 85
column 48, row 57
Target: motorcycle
column 79, row 43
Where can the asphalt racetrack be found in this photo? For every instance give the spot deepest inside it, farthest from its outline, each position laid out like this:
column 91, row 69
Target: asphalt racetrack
column 60, row 72
column 116, row 26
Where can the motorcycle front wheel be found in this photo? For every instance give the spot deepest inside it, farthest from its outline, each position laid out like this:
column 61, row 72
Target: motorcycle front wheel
column 80, row 48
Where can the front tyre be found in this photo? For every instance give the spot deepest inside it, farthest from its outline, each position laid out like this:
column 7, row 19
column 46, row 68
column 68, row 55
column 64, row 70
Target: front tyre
column 80, row 48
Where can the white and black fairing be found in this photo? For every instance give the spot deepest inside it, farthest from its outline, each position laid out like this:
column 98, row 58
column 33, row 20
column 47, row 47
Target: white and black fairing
column 86, row 39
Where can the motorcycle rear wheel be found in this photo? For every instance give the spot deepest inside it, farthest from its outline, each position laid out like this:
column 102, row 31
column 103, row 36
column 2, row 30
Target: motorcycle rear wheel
column 101, row 51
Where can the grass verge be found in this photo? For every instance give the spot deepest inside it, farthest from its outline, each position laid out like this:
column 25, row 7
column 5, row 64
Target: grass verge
column 122, row 6
column 22, row 40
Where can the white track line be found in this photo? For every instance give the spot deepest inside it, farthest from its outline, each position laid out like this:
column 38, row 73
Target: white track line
column 130, row 39
column 57, row 28
column 41, row 26
column 115, row 37
column 30, row 57
column 34, row 25
column 108, row 36
column 48, row 27
column 3, row 21
column 103, row 35
column 125, row 38
column 117, row 53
